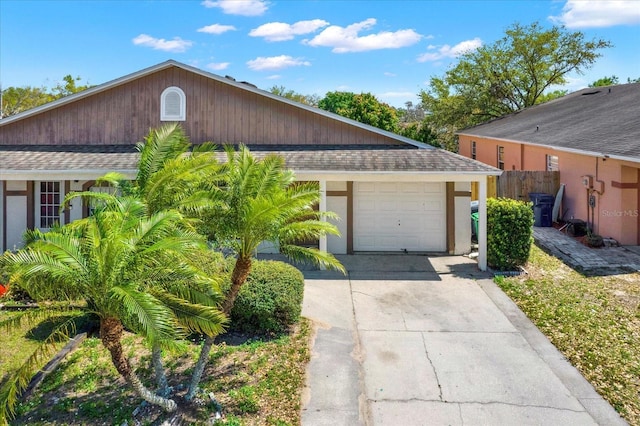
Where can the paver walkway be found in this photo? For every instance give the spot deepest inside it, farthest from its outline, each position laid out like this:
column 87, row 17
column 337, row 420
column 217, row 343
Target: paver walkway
column 590, row 261
column 417, row 340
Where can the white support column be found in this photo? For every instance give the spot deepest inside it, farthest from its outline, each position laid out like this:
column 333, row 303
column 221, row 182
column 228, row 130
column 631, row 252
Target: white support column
column 482, row 224
column 323, row 208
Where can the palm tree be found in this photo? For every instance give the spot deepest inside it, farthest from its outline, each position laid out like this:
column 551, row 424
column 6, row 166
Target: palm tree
column 172, row 174
column 109, row 261
column 256, row 201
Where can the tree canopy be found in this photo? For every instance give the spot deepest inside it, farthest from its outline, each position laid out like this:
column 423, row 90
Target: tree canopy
column 605, row 81
column 610, row 81
column 19, row 99
column 513, row 73
column 311, row 100
column 363, row 107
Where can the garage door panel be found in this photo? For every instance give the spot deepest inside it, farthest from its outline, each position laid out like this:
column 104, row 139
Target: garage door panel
column 411, row 205
column 387, row 187
column 395, row 216
column 365, row 241
column 433, row 188
column 366, row 187
column 367, row 204
column 434, row 206
column 413, row 188
column 387, row 205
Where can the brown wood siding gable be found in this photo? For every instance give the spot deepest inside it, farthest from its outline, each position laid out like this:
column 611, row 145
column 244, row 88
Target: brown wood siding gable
column 216, row 112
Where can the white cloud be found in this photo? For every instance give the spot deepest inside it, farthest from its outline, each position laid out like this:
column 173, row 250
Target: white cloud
column 239, row 7
column 274, row 77
column 280, row 31
column 216, row 29
column 447, row 51
column 175, row 45
column 598, row 13
column 389, row 74
column 218, row 66
column 262, row 63
column 346, row 39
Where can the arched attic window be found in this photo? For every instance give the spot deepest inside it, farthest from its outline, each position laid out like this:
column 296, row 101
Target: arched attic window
column 173, row 104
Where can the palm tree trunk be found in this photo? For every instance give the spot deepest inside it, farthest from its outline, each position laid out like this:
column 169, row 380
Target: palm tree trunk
column 199, row 368
column 238, row 277
column 161, row 377
column 111, row 330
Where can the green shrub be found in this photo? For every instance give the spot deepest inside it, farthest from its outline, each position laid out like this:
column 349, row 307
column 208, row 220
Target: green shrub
column 509, row 233
column 271, row 299
column 210, row 262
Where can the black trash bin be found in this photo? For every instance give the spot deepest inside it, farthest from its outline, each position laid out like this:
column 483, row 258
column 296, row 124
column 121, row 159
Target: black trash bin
column 542, row 208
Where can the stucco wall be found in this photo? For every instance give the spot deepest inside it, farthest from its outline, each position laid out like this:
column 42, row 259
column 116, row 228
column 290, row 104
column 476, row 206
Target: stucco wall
column 616, row 209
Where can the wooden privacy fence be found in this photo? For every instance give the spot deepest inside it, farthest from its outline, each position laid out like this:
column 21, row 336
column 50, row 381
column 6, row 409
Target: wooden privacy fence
column 518, row 184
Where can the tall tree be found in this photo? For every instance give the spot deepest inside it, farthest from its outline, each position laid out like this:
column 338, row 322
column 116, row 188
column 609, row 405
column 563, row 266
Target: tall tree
column 69, row 87
column 258, row 201
column 311, row 100
column 414, row 125
column 411, row 113
column 363, row 107
column 605, row 81
column 124, row 265
column 19, row 99
column 513, row 73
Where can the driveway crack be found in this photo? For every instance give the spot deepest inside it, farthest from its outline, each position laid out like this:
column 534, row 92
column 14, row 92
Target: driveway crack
column 433, row 367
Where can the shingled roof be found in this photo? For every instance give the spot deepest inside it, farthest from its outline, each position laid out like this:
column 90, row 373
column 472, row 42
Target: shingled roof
column 399, row 155
column 596, row 121
column 301, row 158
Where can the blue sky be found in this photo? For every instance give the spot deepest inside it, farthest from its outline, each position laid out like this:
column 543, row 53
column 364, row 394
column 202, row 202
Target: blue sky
column 388, row 48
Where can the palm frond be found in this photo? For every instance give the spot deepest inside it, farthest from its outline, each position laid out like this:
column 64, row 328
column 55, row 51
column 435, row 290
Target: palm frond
column 32, row 317
column 294, row 232
column 95, row 199
column 313, row 256
column 30, row 264
column 198, row 318
column 178, row 178
column 204, row 147
column 167, row 142
column 18, row 380
column 208, row 294
column 143, row 313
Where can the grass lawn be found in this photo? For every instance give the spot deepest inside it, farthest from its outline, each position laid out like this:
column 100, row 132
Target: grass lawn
column 258, row 382
column 593, row 321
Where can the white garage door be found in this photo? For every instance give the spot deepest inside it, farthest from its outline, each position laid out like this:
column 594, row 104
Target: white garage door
column 398, row 216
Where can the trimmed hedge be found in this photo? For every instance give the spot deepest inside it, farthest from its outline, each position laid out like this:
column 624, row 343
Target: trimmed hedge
column 509, row 233
column 271, row 299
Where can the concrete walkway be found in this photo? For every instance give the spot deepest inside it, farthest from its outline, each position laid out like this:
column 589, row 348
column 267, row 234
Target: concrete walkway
column 417, row 340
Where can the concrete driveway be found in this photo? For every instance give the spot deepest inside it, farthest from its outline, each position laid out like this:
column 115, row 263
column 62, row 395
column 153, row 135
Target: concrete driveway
column 417, row 340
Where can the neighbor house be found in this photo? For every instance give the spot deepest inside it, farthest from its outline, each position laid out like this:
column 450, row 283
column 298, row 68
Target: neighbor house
column 392, row 193
column 592, row 137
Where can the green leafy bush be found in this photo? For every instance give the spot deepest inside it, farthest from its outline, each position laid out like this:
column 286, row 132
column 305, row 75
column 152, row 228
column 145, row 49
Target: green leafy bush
column 271, row 299
column 509, row 233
